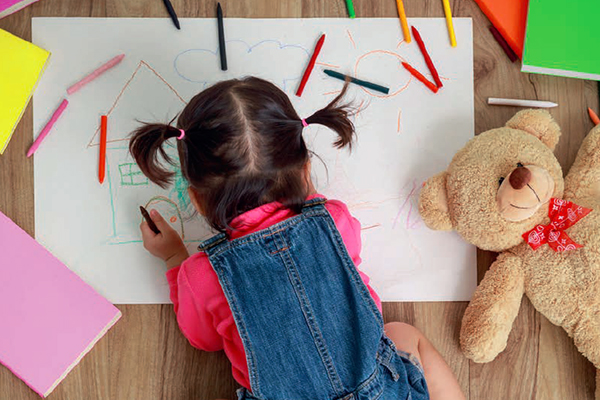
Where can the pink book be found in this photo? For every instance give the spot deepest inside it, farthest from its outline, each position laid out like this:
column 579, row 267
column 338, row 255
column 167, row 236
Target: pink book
column 8, row 7
column 49, row 317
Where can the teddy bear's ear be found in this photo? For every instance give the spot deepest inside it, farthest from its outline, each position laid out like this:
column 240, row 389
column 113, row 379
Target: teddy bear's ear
column 433, row 203
column 539, row 123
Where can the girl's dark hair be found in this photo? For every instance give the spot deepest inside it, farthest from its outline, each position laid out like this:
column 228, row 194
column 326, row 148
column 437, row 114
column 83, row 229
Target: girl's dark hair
column 243, row 147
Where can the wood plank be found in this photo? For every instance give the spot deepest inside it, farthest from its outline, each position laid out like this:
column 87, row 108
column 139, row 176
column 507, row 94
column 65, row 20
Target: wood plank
column 512, row 374
column 558, row 357
column 440, row 323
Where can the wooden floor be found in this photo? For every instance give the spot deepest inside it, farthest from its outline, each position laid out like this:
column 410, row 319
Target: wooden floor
column 145, row 356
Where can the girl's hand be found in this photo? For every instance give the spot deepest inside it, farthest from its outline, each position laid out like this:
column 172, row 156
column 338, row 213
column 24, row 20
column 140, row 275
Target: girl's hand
column 167, row 244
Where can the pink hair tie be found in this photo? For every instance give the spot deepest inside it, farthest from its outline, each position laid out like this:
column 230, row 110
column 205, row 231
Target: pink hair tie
column 182, row 134
column 304, row 124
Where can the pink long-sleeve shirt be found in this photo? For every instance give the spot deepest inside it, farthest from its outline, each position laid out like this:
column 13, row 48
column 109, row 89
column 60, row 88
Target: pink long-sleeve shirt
column 202, row 310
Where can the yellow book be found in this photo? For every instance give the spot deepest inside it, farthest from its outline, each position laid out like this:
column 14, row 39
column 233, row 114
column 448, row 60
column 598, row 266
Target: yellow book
column 21, row 66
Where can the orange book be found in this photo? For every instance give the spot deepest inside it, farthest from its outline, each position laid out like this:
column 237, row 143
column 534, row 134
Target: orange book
column 510, row 18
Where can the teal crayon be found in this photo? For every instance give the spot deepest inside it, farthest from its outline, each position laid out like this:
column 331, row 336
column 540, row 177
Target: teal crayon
column 360, row 82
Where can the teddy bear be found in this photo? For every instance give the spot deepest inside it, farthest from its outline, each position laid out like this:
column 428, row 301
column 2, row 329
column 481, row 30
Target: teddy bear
column 505, row 192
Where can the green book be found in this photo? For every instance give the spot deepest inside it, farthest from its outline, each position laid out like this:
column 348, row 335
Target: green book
column 562, row 38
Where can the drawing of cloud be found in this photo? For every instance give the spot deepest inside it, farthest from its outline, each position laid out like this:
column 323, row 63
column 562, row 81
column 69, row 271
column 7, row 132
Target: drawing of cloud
column 203, row 66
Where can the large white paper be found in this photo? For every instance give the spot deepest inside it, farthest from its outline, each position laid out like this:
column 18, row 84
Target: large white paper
column 402, row 139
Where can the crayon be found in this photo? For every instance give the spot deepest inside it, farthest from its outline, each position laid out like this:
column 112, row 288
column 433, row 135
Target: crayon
column 350, row 7
column 420, row 77
column 521, row 103
column 403, row 21
column 428, row 61
column 172, row 13
column 105, row 67
column 360, row 82
column 310, row 66
column 448, row 13
column 151, row 223
column 222, row 51
column 102, row 155
column 48, row 127
column 593, row 116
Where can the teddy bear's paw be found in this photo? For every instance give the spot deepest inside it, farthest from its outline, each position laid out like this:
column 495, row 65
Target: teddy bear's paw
column 482, row 348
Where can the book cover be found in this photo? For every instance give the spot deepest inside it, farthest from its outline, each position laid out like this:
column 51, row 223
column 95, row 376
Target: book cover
column 8, row 7
column 49, row 317
column 20, row 70
column 510, row 18
column 562, row 39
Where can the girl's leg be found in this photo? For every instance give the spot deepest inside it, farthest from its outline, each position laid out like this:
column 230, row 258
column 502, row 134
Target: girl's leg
column 440, row 380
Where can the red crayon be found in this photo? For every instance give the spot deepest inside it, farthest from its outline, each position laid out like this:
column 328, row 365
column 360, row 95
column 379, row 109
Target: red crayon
column 310, row 66
column 502, row 42
column 420, row 77
column 102, row 160
column 428, row 61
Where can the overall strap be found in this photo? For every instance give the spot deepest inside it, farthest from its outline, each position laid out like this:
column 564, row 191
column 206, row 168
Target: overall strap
column 213, row 242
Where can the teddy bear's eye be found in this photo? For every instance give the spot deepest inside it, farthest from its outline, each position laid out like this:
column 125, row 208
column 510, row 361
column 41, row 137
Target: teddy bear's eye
column 500, row 181
column 520, row 165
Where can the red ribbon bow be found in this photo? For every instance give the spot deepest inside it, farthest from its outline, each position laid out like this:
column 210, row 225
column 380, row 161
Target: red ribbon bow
column 563, row 214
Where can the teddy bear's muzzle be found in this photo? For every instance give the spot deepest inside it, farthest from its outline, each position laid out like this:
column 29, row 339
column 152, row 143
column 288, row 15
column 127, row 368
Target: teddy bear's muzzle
column 523, row 192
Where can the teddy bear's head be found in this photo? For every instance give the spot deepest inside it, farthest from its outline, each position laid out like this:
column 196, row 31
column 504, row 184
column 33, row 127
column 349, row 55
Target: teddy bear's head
column 499, row 185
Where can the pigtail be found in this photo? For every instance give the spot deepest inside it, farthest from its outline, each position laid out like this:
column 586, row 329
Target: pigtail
column 146, row 145
column 335, row 116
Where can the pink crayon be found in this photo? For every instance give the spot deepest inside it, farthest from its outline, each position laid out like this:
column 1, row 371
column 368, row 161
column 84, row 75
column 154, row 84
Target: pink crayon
column 114, row 61
column 48, row 127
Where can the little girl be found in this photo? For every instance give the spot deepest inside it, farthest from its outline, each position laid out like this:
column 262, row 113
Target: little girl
column 278, row 289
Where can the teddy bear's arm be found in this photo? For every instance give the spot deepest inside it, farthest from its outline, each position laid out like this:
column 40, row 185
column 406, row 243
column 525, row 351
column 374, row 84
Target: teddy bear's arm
column 495, row 304
column 583, row 179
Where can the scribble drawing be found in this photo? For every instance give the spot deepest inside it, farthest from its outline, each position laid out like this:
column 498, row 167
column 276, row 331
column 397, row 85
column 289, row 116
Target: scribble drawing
column 359, row 109
column 410, row 204
column 351, row 38
column 139, row 68
column 366, row 228
column 128, row 186
column 131, row 175
column 399, row 117
column 191, row 65
column 389, row 53
column 327, row 65
column 176, row 218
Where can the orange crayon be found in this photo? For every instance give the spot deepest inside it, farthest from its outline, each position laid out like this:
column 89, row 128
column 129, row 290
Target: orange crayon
column 593, row 117
column 420, row 77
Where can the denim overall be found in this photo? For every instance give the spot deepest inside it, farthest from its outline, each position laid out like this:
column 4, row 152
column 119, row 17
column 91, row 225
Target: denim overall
column 310, row 328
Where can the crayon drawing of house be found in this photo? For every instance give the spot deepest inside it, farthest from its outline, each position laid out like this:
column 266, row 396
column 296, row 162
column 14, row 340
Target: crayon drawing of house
column 146, row 97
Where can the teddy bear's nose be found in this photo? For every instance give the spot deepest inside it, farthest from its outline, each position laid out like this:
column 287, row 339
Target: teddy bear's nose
column 519, row 178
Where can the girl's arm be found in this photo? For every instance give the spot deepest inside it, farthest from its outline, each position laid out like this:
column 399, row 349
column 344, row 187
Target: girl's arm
column 166, row 245
column 194, row 319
